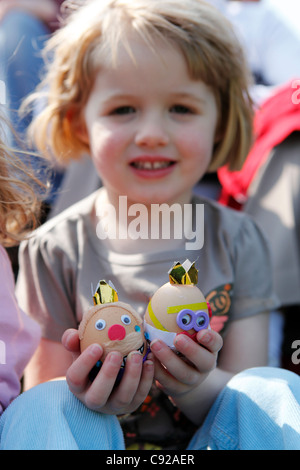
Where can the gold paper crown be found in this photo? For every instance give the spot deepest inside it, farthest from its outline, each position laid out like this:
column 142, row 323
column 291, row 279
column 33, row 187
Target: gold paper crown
column 105, row 293
column 184, row 273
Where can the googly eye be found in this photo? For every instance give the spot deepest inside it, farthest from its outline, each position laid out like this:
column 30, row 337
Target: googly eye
column 201, row 321
column 126, row 319
column 184, row 319
column 100, row 324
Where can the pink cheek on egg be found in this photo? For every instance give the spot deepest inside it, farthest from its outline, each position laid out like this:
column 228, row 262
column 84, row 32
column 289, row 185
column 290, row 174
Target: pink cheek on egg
column 116, row 332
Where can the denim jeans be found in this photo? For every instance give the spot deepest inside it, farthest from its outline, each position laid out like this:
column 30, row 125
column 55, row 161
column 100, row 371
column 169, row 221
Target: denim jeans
column 259, row 409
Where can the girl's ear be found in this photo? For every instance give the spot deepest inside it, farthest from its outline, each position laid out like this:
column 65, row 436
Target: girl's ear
column 77, row 124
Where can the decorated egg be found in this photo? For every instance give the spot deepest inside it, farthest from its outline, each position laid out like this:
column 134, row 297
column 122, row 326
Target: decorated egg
column 177, row 307
column 115, row 325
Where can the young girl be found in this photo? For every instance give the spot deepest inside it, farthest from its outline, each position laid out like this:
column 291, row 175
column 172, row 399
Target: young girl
column 157, row 93
column 19, row 335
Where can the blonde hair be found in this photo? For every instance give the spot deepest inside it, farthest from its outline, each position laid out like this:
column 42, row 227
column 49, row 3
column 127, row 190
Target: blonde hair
column 91, row 36
column 19, row 204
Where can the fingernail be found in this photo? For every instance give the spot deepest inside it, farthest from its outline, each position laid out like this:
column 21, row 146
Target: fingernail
column 67, row 337
column 95, row 349
column 156, row 345
column 149, row 364
column 181, row 340
column 114, row 358
column 136, row 357
column 205, row 338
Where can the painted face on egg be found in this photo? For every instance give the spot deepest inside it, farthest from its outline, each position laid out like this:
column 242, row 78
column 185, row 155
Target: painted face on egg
column 115, row 326
column 177, row 309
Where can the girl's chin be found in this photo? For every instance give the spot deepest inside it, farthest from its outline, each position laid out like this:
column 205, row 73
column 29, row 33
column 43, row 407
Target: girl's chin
column 143, row 194
column 157, row 199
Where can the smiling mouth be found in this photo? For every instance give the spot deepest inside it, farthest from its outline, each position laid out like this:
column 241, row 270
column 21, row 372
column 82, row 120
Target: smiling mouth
column 151, row 166
column 140, row 350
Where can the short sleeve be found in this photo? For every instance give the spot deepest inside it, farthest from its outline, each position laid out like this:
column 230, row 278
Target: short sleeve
column 253, row 285
column 45, row 285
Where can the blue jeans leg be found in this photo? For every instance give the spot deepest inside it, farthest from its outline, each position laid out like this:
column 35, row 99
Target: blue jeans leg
column 259, row 409
column 49, row 417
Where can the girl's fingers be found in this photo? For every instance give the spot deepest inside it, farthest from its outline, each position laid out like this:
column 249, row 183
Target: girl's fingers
column 135, row 384
column 203, row 358
column 104, row 393
column 199, row 357
column 78, row 372
column 174, row 364
column 70, row 341
column 99, row 391
column 145, row 384
column 165, row 381
column 211, row 340
column 129, row 383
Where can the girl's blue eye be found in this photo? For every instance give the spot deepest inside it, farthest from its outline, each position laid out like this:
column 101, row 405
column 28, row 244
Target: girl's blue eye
column 180, row 109
column 123, row 110
column 100, row 324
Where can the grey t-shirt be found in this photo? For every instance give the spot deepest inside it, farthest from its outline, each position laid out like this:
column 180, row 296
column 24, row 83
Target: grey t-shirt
column 65, row 257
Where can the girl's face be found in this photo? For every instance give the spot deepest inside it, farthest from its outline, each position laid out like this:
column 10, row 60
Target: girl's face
column 150, row 127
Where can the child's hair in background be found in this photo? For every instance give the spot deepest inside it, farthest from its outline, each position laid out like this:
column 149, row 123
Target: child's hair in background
column 90, row 39
column 19, row 201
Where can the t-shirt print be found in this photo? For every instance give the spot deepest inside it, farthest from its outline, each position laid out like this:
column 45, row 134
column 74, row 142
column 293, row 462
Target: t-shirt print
column 219, row 300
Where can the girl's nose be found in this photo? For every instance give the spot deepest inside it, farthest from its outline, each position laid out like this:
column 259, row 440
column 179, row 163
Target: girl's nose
column 152, row 133
column 116, row 332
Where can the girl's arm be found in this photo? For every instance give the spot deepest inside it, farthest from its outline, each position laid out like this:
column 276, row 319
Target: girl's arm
column 194, row 387
column 51, row 360
column 246, row 344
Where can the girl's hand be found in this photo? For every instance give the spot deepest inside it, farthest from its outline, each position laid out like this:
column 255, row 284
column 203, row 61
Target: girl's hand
column 101, row 395
column 177, row 376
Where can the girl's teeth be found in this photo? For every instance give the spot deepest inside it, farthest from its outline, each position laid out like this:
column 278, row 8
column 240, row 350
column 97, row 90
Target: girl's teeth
column 157, row 165
column 151, row 165
column 147, row 165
